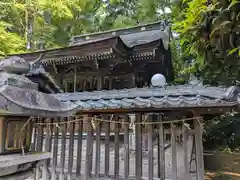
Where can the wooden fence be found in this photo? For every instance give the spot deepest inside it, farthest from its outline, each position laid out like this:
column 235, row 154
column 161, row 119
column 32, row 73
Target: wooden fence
column 86, row 148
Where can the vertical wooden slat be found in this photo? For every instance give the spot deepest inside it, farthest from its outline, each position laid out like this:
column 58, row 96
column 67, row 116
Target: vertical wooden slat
column 40, row 136
column 150, row 150
column 110, row 83
column 70, row 149
column 116, row 149
column 199, row 149
column 34, row 136
column 161, row 151
column 75, row 80
column 63, row 150
column 39, row 144
column 89, row 152
column 79, row 149
column 126, row 148
column 138, row 149
column 98, row 150
column 107, row 147
column 174, row 152
column 55, row 150
column 47, row 148
column 185, row 149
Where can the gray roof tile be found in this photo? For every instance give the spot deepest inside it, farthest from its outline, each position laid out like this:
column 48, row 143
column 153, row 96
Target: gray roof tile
column 168, row 97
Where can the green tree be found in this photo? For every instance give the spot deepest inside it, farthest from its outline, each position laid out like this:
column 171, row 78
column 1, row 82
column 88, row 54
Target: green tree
column 209, row 32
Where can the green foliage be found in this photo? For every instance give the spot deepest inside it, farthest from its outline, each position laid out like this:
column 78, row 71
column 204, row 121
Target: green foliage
column 209, row 32
column 222, row 133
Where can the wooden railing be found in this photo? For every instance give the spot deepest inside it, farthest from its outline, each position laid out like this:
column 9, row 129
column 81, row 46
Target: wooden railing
column 100, row 152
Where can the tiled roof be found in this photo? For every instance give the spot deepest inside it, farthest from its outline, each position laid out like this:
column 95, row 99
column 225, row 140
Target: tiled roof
column 168, row 97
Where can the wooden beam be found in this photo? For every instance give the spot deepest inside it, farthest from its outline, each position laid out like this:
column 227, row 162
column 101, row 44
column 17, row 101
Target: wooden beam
column 126, row 147
column 161, row 151
column 138, row 149
column 150, row 150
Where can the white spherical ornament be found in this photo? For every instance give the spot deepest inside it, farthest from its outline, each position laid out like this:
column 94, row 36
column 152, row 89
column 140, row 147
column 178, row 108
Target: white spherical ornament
column 158, row 80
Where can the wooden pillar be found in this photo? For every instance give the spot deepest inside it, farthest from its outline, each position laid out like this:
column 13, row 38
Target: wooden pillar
column 70, row 149
column 185, row 137
column 107, row 147
column 89, row 152
column 79, row 149
column 75, row 80
column 174, row 152
column 55, row 150
column 133, row 80
column 98, row 150
column 126, row 147
column 138, row 149
column 150, row 149
column 99, row 83
column 65, row 87
column 199, row 149
column 63, row 150
column 161, row 153
column 110, row 83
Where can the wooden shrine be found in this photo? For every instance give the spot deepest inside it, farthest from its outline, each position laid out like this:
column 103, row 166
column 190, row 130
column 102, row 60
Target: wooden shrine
column 106, row 81
column 115, row 59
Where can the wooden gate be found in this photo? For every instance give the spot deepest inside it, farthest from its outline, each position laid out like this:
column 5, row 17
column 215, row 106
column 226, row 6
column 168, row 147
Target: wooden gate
column 120, row 146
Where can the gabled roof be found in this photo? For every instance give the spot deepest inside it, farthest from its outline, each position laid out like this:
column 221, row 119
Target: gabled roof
column 128, row 42
column 156, row 98
column 133, row 36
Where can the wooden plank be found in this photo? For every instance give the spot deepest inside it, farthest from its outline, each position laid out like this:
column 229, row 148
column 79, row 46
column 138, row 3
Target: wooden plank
column 70, row 149
column 79, row 149
column 174, row 152
column 126, row 147
column 199, row 150
column 150, row 150
column 138, row 150
column 47, row 148
column 34, row 136
column 39, row 135
column 161, row 152
column 185, row 149
column 107, row 147
column 89, row 152
column 63, row 150
column 75, row 80
column 98, row 149
column 116, row 149
column 55, row 150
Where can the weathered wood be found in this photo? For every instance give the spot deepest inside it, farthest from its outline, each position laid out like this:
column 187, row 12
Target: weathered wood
column 126, row 148
column 70, row 149
column 199, row 149
column 79, row 150
column 39, row 136
column 174, row 152
column 98, row 149
column 55, row 150
column 150, row 150
column 161, row 153
column 99, row 83
column 89, row 152
column 138, row 149
column 47, row 148
column 34, row 136
column 116, row 150
column 107, row 148
column 63, row 150
column 185, row 149
column 75, row 80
